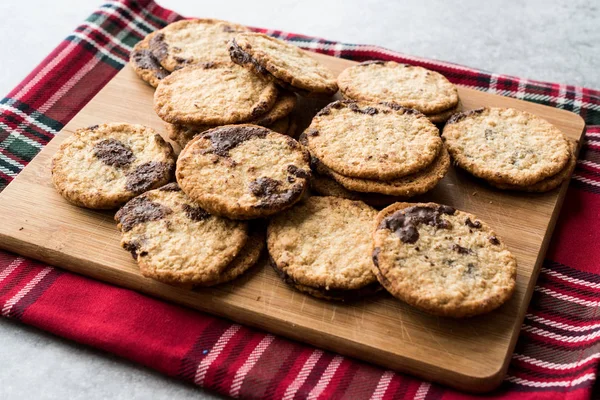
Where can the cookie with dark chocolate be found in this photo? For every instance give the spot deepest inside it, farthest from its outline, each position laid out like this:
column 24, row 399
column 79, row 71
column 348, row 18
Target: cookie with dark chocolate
column 243, row 171
column 213, row 94
column 145, row 65
column 283, row 63
column 441, row 260
column 372, row 141
column 177, row 242
column 193, row 41
column 322, row 246
column 104, row 166
column 409, row 86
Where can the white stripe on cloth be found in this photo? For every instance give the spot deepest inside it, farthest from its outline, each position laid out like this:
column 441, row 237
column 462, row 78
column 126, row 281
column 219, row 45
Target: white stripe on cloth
column 382, row 385
column 422, row 391
column 562, row 325
column 555, row 366
column 214, row 353
column 100, row 48
column 540, row 384
column 568, row 278
column 10, row 161
column 566, row 297
column 7, row 172
column 110, row 37
column 589, row 163
column 241, row 373
column 16, row 134
column 7, row 308
column 562, row 338
column 11, row 267
column 28, row 118
column 308, row 366
column 589, row 182
column 325, row 378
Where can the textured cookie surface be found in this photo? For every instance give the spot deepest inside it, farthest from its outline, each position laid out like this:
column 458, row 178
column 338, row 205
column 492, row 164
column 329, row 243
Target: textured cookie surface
column 505, row 145
column 441, row 260
column 103, row 166
column 145, row 65
column 193, row 42
column 324, row 243
column 245, row 260
column 326, row 186
column 284, row 63
column 372, row 141
column 243, row 171
column 213, row 94
column 406, row 85
column 407, row 186
column 549, row 183
column 175, row 241
column 443, row 116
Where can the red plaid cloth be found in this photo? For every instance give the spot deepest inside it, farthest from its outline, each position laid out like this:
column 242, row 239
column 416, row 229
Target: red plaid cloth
column 557, row 354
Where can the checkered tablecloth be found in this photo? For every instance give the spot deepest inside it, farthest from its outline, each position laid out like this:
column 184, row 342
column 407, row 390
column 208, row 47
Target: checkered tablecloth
column 559, row 348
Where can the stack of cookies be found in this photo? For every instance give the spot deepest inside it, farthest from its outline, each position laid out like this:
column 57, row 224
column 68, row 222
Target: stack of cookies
column 375, row 152
column 510, row 149
column 406, row 85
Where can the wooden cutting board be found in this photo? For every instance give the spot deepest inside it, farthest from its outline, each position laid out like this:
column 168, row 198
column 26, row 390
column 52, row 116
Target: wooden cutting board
column 470, row 354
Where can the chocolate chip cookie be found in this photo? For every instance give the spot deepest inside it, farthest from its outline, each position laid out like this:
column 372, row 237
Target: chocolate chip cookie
column 283, row 63
column 441, row 260
column 213, row 94
column 506, row 146
column 243, row 171
column 372, row 141
column 175, row 241
column 326, row 186
column 409, row 86
column 145, row 65
column 193, row 41
column 103, row 166
column 323, row 244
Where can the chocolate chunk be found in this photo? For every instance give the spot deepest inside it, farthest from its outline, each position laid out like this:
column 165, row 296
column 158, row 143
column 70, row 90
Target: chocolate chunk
column 461, row 250
column 367, row 110
column 158, row 47
column 146, row 60
column 462, row 115
column 371, row 62
column 170, row 187
column 113, row 152
column 470, row 268
column 145, row 175
column 228, row 137
column 132, row 247
column 268, row 190
column 376, row 252
column 494, row 240
column 472, row 224
column 195, row 213
column 398, row 107
column 404, row 223
column 335, row 105
column 140, row 210
column 489, row 134
column 93, row 127
column 264, row 187
column 239, row 56
column 312, row 132
column 298, row 172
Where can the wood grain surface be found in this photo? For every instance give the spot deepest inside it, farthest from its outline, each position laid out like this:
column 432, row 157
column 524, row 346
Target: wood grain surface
column 470, row 354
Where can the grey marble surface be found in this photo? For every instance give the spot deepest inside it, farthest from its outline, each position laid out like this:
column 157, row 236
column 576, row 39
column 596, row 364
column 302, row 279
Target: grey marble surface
column 545, row 40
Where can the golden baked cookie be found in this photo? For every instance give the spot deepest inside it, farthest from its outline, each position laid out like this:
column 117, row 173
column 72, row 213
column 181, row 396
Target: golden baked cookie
column 145, row 65
column 505, row 145
column 326, row 186
column 441, row 260
column 175, row 241
column 243, row 171
column 103, row 166
column 372, row 141
column 213, row 94
column 193, row 41
column 324, row 243
column 283, row 63
column 409, row 86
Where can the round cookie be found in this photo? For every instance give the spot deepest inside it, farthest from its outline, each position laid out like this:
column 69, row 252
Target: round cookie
column 409, row 86
column 441, row 260
column 549, row 183
column 326, row 186
column 175, row 241
column 443, row 116
column 324, row 243
column 283, row 63
column 193, row 42
column 213, row 94
column 145, row 65
column 372, row 141
column 505, row 145
column 243, row 171
column 407, row 186
column 103, row 166
column 245, row 260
